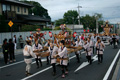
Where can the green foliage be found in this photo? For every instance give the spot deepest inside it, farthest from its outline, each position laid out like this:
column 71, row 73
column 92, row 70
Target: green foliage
column 57, row 28
column 71, row 17
column 3, row 24
column 29, row 27
column 46, row 29
column 37, row 9
column 59, row 22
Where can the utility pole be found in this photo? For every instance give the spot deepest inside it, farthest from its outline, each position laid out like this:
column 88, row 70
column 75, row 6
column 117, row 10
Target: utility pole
column 96, row 25
column 79, row 13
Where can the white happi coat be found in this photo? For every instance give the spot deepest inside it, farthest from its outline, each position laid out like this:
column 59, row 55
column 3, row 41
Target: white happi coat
column 29, row 52
column 63, row 54
column 37, row 48
column 53, row 52
column 100, row 47
column 76, row 45
column 88, row 49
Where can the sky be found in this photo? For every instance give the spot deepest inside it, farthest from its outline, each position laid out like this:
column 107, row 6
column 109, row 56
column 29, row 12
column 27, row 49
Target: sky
column 110, row 9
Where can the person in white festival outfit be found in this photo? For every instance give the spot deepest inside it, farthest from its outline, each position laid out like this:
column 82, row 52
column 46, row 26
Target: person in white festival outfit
column 28, row 54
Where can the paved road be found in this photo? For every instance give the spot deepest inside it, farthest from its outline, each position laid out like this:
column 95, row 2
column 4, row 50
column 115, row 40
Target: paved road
column 89, row 72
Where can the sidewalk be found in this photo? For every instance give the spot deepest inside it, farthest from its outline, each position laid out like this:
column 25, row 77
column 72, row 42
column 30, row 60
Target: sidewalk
column 17, row 51
column 116, row 75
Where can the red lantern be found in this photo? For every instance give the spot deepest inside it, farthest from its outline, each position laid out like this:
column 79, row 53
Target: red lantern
column 50, row 34
column 84, row 30
column 88, row 30
column 74, row 34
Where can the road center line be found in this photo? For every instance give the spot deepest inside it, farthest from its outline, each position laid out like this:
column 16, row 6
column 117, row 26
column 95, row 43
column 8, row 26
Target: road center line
column 42, row 70
column 111, row 66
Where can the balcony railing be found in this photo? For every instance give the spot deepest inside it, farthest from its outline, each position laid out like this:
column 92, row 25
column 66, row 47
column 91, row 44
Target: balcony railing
column 10, row 15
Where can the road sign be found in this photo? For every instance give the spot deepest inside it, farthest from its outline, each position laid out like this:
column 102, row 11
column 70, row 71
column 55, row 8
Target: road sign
column 10, row 23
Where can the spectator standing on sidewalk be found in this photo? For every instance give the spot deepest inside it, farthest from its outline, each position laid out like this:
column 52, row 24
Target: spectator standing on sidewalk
column 15, row 41
column 114, row 41
column 11, row 51
column 5, row 51
column 21, row 41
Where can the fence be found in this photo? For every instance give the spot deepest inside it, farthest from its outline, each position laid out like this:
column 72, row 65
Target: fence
column 24, row 35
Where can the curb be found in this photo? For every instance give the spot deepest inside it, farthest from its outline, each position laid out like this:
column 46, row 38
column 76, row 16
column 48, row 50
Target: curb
column 116, row 74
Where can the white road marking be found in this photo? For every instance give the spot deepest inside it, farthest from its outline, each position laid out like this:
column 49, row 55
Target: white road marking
column 11, row 64
column 111, row 66
column 86, row 63
column 18, row 63
column 42, row 71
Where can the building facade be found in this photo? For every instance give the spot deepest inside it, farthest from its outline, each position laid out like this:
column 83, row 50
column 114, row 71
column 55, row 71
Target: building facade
column 18, row 12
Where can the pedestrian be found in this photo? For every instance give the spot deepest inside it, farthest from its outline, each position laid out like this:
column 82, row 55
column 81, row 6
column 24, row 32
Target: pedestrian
column 36, row 48
column 110, row 40
column 100, row 47
column 11, row 51
column 21, row 41
column 114, row 41
column 88, row 51
column 5, row 51
column 117, row 37
column 53, row 51
column 15, row 41
column 28, row 54
column 62, row 53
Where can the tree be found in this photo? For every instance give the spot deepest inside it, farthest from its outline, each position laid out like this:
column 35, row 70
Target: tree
column 90, row 21
column 37, row 9
column 70, row 17
column 59, row 22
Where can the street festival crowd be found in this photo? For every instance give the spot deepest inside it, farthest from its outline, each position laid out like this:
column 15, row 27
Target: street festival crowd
column 91, row 43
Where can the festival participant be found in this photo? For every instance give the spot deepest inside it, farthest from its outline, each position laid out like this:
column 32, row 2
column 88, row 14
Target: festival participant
column 53, row 51
column 62, row 53
column 78, row 52
column 94, row 40
column 91, row 45
column 88, row 51
column 47, row 45
column 37, row 47
column 28, row 54
column 100, row 46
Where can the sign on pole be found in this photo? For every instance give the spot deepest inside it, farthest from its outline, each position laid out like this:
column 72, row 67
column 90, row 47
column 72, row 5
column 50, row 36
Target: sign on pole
column 10, row 23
